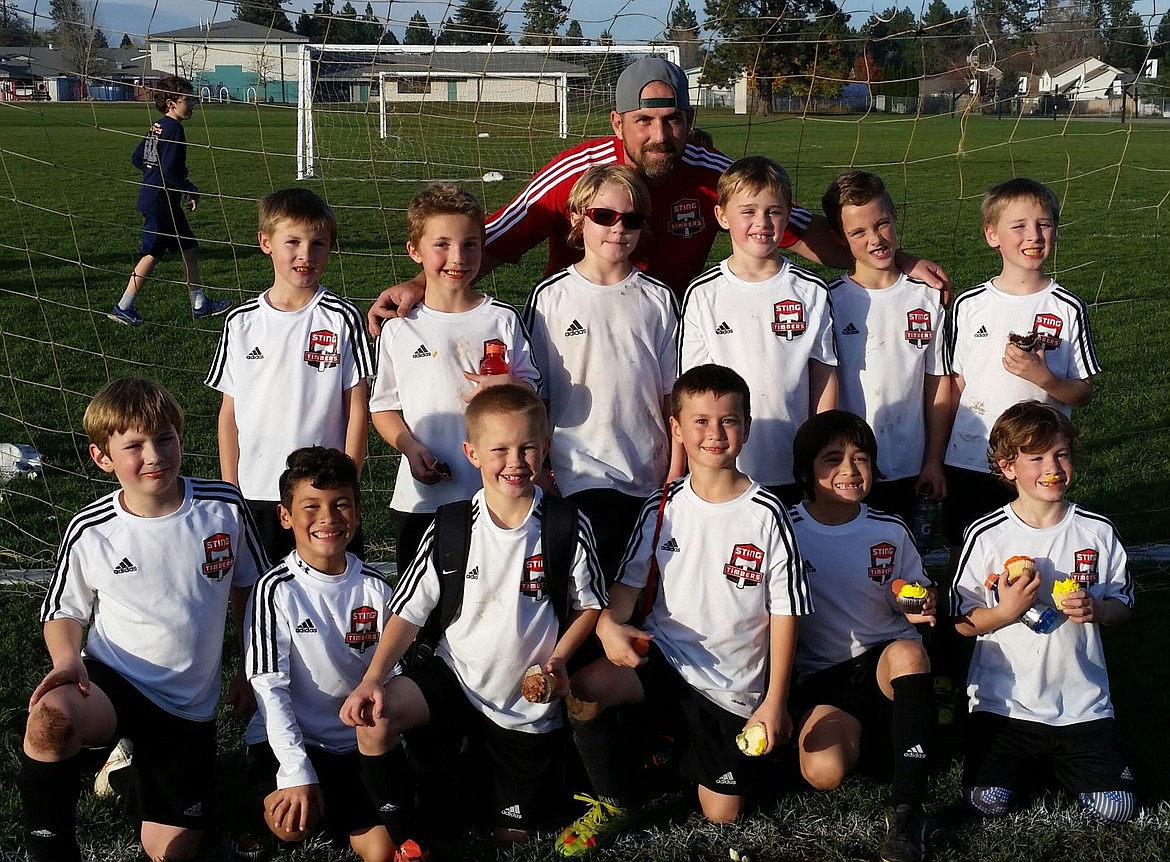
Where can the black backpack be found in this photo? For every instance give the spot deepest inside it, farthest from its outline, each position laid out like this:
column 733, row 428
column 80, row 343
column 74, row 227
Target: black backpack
column 558, row 541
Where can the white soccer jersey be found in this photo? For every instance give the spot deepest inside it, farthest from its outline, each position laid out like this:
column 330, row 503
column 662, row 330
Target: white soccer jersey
column 608, row 355
column 507, row 622
column 158, row 589
column 1058, row 678
column 421, row 360
column 976, row 335
column 310, row 642
column 887, row 341
column 725, row 568
column 768, row 332
column 849, row 569
column 288, row 372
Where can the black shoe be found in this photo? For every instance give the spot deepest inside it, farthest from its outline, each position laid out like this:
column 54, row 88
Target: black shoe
column 905, row 835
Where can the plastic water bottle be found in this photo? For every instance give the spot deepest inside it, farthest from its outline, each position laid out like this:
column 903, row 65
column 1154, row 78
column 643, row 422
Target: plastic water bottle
column 19, row 461
column 1039, row 618
column 494, row 358
column 923, row 526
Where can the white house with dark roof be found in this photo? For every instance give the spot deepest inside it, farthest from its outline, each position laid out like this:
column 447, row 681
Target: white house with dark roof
column 45, row 73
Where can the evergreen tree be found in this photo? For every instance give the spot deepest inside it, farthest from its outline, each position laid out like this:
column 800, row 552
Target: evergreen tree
column 542, row 21
column 1123, row 36
column 126, row 42
column 266, row 13
column 369, row 30
column 75, row 30
column 682, row 29
column 418, row 31
column 15, row 28
column 574, row 35
column 475, row 22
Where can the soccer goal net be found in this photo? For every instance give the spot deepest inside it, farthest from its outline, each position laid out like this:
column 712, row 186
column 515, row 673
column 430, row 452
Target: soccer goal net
column 455, row 112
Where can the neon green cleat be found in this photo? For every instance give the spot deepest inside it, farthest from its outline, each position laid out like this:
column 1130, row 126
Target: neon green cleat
column 594, row 828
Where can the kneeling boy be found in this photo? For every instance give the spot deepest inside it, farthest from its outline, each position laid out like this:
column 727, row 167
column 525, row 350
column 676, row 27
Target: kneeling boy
column 507, row 623
column 718, row 640
column 315, row 621
column 150, row 568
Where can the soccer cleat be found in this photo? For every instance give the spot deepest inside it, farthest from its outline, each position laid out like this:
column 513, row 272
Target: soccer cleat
column 905, row 835
column 211, row 308
column 409, row 851
column 111, row 778
column 126, row 316
column 594, row 828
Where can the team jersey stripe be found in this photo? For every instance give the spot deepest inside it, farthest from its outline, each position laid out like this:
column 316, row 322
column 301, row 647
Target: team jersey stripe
column 529, row 315
column 702, row 157
column 95, row 514
column 265, row 653
column 1128, row 588
column 649, row 513
column 509, row 310
column 1084, row 344
column 409, row 581
column 980, row 526
column 219, row 359
column 355, row 337
column 799, row 595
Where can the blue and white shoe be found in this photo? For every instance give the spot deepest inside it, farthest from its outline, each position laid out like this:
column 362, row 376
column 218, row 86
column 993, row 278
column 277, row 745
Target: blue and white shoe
column 211, row 308
column 126, row 316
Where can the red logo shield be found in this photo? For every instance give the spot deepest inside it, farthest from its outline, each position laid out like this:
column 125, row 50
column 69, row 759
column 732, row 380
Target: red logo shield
column 322, row 353
column 746, row 566
column 789, row 318
column 217, row 550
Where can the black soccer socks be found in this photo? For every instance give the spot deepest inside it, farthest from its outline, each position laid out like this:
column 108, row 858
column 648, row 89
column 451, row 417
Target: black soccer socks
column 49, row 793
column 912, row 728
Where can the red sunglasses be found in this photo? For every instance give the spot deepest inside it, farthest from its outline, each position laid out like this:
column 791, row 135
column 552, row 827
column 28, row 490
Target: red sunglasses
column 608, row 218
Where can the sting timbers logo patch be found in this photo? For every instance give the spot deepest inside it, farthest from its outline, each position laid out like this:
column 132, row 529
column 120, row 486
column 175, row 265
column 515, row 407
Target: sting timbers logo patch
column 322, row 353
column 532, row 580
column 363, row 628
column 1048, row 327
column 1085, row 567
column 217, row 549
column 746, row 567
column 918, row 331
column 686, row 218
column 881, row 562
column 789, row 319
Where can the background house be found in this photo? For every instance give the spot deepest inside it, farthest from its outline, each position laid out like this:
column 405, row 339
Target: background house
column 45, row 73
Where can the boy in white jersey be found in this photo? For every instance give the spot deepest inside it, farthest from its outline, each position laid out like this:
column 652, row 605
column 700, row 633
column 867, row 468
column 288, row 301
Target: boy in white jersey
column 292, row 364
column 889, row 346
column 1055, row 363
column 429, row 361
column 315, row 622
column 150, row 569
column 765, row 317
column 604, row 334
column 506, row 623
column 714, row 559
column 860, row 662
column 1039, row 695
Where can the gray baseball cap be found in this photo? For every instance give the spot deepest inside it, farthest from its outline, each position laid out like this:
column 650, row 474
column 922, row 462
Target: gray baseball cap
column 637, row 75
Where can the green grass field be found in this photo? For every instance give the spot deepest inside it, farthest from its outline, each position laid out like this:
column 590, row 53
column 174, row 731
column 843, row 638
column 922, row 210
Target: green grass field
column 68, row 237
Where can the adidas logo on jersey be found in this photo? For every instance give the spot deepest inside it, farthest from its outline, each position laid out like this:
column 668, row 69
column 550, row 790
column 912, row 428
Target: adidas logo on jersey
column 512, row 811
column 195, row 810
column 1126, row 775
column 723, row 329
column 388, row 808
column 575, row 328
column 725, row 778
column 125, row 567
column 421, row 353
column 255, row 354
column 306, row 627
column 473, row 575
column 915, row 753
column 981, row 332
column 670, row 545
column 850, row 329
column 809, row 567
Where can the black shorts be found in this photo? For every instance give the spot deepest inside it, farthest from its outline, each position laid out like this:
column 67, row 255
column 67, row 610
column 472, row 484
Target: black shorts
column 348, row 807
column 174, row 758
column 165, row 228
column 851, row 687
column 613, row 516
column 709, row 755
column 970, row 496
column 897, row 497
column 521, row 763
column 409, row 527
column 278, row 542
column 1085, row 758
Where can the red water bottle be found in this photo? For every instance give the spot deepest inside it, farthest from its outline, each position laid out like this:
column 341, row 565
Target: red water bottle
column 494, row 357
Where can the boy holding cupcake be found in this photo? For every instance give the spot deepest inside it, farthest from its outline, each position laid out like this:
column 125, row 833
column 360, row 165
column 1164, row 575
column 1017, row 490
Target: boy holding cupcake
column 1042, row 694
column 860, row 662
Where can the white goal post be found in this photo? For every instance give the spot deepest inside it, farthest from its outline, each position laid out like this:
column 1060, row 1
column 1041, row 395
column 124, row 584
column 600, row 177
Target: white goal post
column 347, row 81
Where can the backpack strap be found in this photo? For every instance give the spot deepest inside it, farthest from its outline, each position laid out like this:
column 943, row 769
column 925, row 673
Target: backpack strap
column 558, row 543
column 452, row 544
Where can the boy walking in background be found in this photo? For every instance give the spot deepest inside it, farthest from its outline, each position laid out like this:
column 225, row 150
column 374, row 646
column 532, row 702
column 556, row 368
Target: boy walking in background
column 715, row 555
column 162, row 158
column 768, row 319
column 507, row 621
column 889, row 343
column 315, row 621
column 292, row 364
column 1042, row 694
column 429, row 362
column 146, row 574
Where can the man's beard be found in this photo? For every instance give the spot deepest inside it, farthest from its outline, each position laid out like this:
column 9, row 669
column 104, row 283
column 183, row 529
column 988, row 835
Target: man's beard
column 656, row 168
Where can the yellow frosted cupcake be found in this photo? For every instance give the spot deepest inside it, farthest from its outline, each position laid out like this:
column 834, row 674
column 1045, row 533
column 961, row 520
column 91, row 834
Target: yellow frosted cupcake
column 1061, row 589
column 911, row 597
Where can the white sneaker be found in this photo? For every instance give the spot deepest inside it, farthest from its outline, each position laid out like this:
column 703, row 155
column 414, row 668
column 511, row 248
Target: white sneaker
column 120, row 758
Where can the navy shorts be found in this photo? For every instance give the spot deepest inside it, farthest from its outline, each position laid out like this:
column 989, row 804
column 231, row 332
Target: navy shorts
column 174, row 757
column 166, row 228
